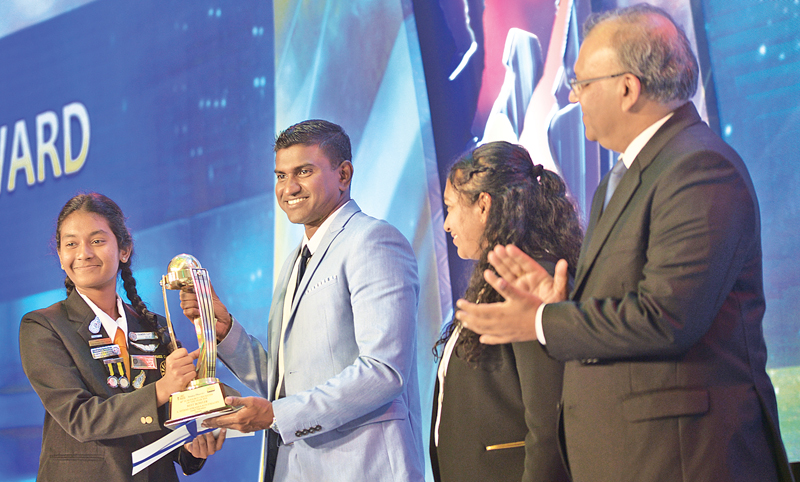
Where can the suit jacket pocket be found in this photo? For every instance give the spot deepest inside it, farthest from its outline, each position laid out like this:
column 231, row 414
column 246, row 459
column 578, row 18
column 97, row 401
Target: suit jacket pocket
column 72, row 467
column 674, row 402
column 317, row 286
column 393, row 411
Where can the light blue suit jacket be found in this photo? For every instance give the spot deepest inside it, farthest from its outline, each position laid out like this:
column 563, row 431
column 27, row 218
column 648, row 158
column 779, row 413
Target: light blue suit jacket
column 351, row 410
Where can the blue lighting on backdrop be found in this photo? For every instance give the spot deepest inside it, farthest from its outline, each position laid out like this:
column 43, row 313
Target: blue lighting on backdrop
column 170, row 108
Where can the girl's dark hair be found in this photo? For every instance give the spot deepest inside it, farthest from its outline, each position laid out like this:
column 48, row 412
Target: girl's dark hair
column 102, row 206
column 529, row 209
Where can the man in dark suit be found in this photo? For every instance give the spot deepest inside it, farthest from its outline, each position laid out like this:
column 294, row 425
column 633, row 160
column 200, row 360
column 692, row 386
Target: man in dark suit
column 665, row 373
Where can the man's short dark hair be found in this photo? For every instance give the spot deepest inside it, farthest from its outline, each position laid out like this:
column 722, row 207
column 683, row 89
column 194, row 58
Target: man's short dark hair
column 330, row 137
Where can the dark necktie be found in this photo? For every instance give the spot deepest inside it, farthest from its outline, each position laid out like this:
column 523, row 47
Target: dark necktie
column 301, row 269
column 617, row 172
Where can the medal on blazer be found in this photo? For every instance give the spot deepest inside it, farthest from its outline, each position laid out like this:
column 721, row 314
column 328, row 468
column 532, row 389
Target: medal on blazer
column 100, row 341
column 143, row 362
column 105, row 351
column 112, row 379
column 94, row 326
column 142, row 335
column 123, row 382
column 146, row 348
column 138, row 382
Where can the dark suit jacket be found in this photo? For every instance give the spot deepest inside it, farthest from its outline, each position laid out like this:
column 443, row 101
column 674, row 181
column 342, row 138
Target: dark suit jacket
column 511, row 395
column 665, row 376
column 91, row 429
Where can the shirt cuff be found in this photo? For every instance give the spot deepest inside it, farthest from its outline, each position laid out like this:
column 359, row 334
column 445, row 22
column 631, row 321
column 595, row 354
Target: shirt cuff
column 228, row 345
column 539, row 330
column 229, row 329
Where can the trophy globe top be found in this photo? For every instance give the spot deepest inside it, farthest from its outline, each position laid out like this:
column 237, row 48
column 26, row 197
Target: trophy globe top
column 183, row 261
column 179, row 273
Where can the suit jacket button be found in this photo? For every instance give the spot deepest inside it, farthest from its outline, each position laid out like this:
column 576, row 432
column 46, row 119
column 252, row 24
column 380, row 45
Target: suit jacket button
column 143, row 420
column 318, row 428
column 298, row 434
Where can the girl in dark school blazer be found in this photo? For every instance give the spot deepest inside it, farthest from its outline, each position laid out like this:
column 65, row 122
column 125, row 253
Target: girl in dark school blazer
column 104, row 393
column 495, row 407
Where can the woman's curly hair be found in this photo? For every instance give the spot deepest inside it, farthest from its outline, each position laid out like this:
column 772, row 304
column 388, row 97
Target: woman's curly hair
column 529, row 209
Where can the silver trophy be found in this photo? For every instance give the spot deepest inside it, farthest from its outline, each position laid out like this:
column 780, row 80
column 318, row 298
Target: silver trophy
column 205, row 394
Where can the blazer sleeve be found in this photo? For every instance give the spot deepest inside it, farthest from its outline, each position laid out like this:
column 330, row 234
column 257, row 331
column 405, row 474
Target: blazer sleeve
column 246, row 358
column 62, row 387
column 244, row 355
column 381, row 275
column 540, row 379
column 666, row 286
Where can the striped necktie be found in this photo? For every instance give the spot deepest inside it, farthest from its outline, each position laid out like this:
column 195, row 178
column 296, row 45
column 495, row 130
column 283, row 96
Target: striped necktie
column 119, row 339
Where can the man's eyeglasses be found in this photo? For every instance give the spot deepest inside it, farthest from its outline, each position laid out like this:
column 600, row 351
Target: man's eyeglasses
column 576, row 85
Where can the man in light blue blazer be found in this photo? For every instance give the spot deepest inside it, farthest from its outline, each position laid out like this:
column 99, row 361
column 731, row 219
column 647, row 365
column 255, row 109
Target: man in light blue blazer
column 339, row 376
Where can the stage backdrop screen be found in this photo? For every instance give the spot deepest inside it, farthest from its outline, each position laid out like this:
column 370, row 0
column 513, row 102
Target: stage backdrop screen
column 171, row 107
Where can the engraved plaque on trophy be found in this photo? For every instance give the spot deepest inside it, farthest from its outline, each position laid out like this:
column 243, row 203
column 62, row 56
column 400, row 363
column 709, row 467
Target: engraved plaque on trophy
column 205, row 394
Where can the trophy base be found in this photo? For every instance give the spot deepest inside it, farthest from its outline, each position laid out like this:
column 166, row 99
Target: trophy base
column 205, row 397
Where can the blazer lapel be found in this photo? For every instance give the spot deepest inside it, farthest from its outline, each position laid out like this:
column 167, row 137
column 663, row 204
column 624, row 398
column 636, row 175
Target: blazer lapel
column 594, row 217
column 79, row 313
column 603, row 221
column 336, row 227
column 136, row 325
column 607, row 219
column 275, row 328
column 276, row 318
